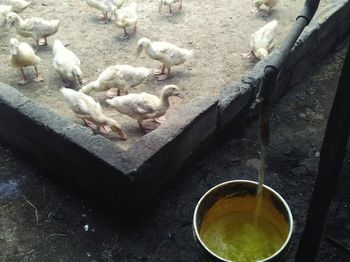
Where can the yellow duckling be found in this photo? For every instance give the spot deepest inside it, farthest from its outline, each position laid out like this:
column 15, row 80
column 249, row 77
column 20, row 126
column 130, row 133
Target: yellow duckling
column 144, row 106
column 169, row 3
column 262, row 41
column 87, row 109
column 125, row 17
column 121, row 77
column 168, row 54
column 36, row 28
column 23, row 55
column 268, row 3
column 66, row 63
column 17, row 5
column 107, row 7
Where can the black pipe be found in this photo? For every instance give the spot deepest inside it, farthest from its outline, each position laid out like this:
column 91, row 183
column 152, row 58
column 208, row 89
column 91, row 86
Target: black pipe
column 306, row 14
column 331, row 158
column 271, row 71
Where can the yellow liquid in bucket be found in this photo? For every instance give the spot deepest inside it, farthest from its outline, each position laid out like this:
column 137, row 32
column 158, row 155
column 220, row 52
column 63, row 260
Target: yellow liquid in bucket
column 241, row 236
column 236, row 237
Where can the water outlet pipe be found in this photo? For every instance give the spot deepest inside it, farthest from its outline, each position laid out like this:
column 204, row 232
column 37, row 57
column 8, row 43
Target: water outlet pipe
column 267, row 84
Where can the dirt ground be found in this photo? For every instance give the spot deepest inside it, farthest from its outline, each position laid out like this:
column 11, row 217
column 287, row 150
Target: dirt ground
column 71, row 227
column 218, row 32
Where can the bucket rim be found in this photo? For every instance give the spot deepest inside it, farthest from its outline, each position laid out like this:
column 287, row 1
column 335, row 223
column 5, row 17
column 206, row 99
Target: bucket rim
column 290, row 216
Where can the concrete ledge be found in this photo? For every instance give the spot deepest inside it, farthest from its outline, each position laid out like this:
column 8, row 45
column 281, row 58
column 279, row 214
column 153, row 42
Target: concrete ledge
column 93, row 162
column 163, row 151
column 133, row 176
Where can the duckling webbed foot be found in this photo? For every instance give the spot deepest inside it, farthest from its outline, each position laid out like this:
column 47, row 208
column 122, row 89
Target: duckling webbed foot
column 89, row 124
column 254, row 10
column 112, row 93
column 39, row 79
column 145, row 129
column 159, row 71
column 159, row 120
column 248, row 55
column 105, row 130
column 23, row 82
column 163, row 77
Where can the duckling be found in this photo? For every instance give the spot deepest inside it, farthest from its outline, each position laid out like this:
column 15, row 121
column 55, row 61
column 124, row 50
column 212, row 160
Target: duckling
column 268, row 3
column 169, row 3
column 144, row 106
column 164, row 52
column 17, row 5
column 107, row 7
column 121, row 77
column 4, row 10
column 23, row 55
column 126, row 16
column 66, row 63
column 36, row 28
column 262, row 41
column 87, row 109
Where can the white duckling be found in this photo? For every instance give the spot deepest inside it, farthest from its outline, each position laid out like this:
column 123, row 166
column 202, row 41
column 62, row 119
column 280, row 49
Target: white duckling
column 125, row 17
column 107, row 7
column 268, row 3
column 17, row 5
column 66, row 63
column 169, row 3
column 23, row 55
column 144, row 106
column 36, row 28
column 262, row 41
column 121, row 77
column 168, row 54
column 87, row 109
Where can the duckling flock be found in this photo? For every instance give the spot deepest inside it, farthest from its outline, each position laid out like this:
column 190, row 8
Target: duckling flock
column 141, row 106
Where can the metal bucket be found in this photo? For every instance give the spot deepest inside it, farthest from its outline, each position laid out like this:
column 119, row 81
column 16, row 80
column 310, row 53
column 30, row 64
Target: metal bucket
column 226, row 198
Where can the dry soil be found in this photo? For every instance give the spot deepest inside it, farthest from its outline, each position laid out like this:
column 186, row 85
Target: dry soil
column 218, row 32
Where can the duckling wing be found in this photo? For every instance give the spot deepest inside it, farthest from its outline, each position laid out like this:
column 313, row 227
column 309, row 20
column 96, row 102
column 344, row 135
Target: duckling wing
column 264, row 37
column 171, row 53
column 111, row 73
column 147, row 104
column 40, row 26
column 145, row 107
column 79, row 107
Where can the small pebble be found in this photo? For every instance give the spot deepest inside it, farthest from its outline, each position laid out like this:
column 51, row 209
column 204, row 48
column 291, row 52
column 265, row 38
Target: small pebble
column 302, row 115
